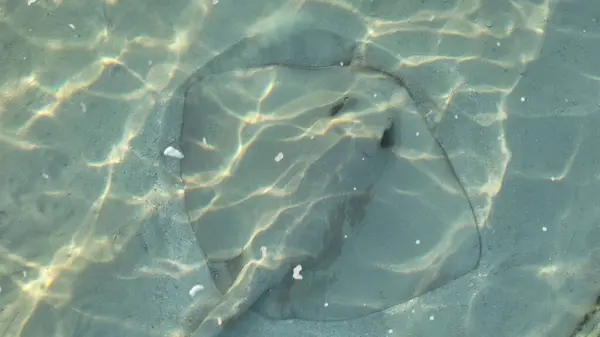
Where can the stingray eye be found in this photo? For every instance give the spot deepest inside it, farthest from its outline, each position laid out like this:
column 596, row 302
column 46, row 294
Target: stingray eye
column 387, row 138
column 337, row 107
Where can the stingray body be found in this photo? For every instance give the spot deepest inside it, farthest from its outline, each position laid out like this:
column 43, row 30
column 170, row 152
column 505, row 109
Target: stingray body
column 296, row 157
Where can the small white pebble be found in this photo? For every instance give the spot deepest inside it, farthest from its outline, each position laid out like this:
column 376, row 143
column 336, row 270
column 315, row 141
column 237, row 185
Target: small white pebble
column 431, row 318
column 45, row 175
column 417, row 242
column 326, row 304
column 263, row 251
column 204, row 142
column 278, row 157
column 354, row 188
column 418, row 133
column 345, row 236
column 72, row 26
column 31, row 2
column 455, row 116
column 390, row 331
column 173, row 153
column 544, row 229
column 195, row 289
column 553, row 178
column 522, row 99
column 219, row 321
column 296, row 272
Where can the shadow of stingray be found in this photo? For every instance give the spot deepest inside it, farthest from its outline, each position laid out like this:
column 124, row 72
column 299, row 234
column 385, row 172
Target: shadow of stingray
column 296, row 159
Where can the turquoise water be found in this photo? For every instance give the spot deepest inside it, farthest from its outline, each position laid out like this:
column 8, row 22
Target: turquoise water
column 287, row 216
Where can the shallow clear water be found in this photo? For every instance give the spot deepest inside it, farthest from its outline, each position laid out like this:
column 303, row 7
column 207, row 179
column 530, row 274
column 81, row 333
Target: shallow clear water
column 480, row 219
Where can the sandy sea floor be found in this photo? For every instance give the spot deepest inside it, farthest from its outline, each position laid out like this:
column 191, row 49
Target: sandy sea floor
column 94, row 236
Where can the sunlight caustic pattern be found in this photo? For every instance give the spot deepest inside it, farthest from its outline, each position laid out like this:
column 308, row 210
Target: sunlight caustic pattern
column 327, row 184
column 71, row 181
column 79, row 93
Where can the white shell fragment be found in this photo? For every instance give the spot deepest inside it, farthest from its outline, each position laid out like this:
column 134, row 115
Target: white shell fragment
column 278, row 157
column 195, row 289
column 296, row 274
column 263, row 251
column 173, row 153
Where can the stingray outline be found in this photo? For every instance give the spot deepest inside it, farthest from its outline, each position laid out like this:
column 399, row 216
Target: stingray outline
column 212, row 324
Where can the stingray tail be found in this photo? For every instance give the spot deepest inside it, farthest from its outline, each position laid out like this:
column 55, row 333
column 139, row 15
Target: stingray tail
column 252, row 282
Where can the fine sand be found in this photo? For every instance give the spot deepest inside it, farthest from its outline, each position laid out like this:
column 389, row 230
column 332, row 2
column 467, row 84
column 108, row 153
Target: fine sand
column 95, row 239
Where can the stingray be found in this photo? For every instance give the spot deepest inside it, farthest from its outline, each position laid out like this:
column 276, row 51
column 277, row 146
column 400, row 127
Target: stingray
column 314, row 184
